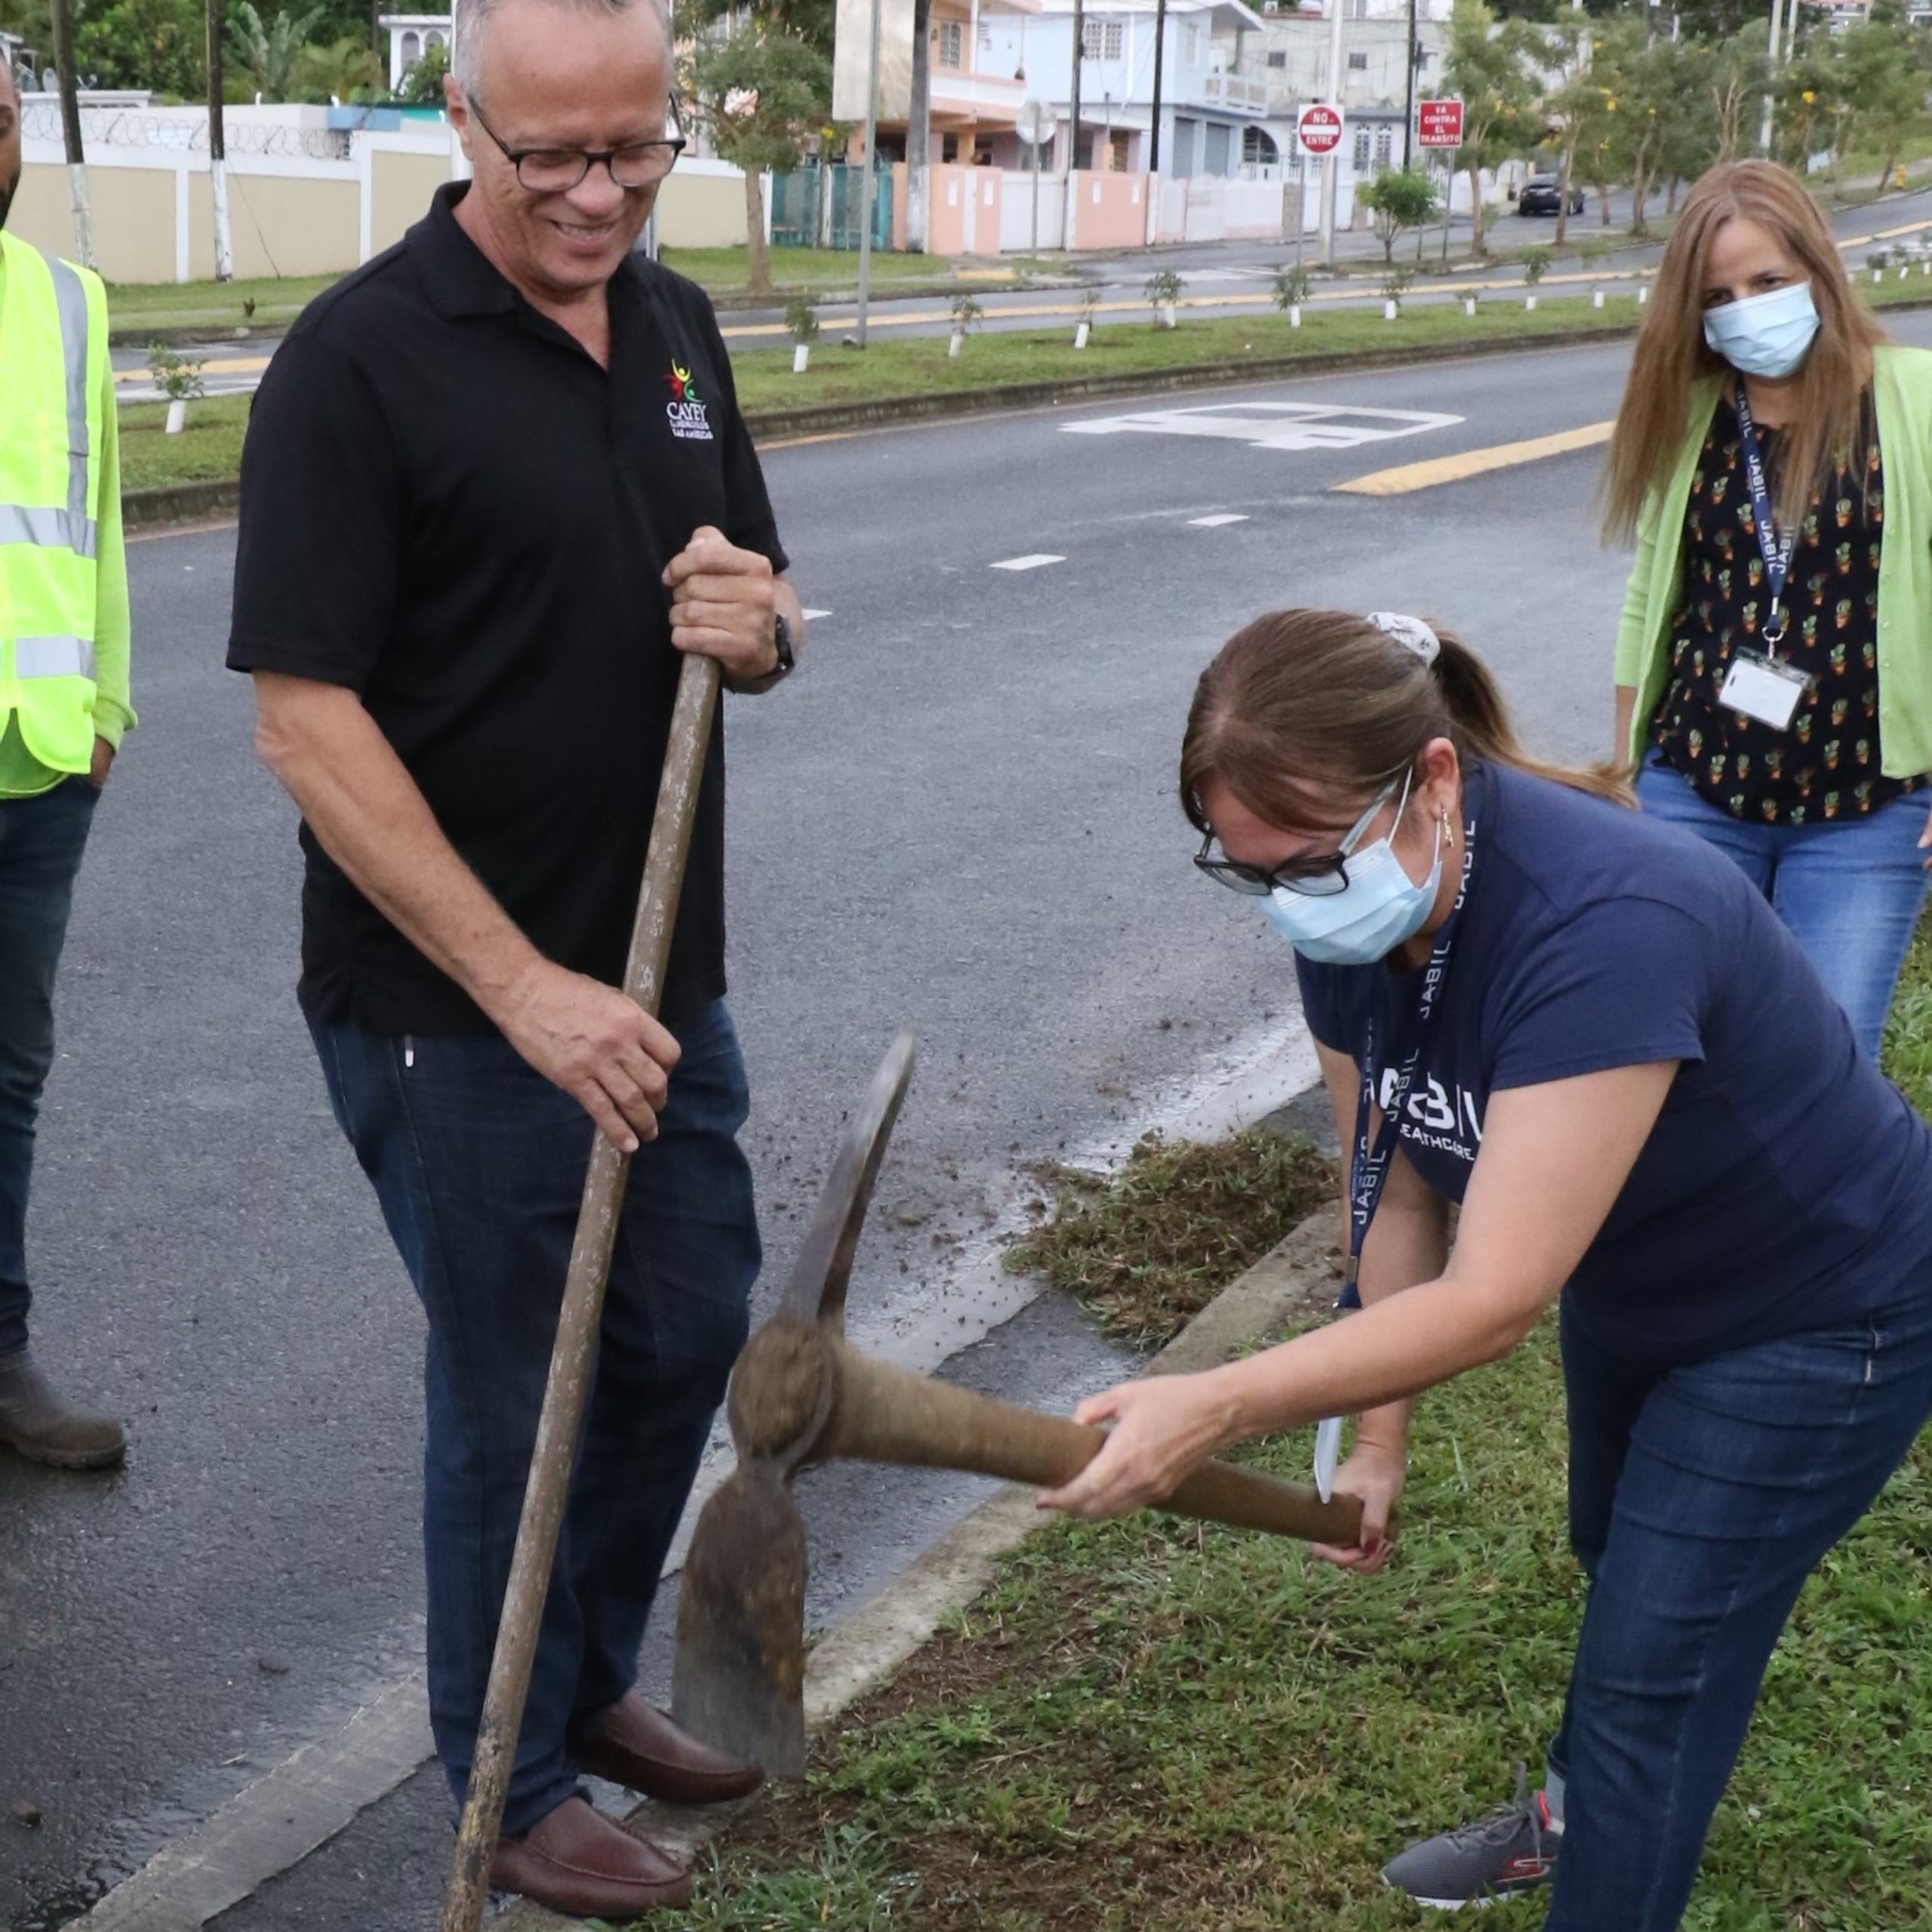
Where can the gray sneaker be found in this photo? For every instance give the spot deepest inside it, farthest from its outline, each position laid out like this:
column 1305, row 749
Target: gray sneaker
column 1512, row 1850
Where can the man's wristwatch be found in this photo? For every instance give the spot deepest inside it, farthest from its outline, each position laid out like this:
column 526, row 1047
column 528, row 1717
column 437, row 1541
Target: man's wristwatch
column 781, row 638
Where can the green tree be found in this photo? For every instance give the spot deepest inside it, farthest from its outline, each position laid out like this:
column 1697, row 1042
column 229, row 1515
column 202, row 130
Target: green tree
column 155, row 43
column 1488, row 67
column 1738, row 73
column 1572, row 105
column 1883, row 64
column 1399, row 199
column 760, row 92
column 265, row 52
column 344, row 70
column 423, row 79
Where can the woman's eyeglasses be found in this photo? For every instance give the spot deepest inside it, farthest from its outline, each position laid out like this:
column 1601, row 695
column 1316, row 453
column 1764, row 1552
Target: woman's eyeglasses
column 1316, row 877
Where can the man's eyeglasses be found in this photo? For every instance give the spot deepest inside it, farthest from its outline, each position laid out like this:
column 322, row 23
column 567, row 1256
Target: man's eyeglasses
column 1318, row 877
column 557, row 170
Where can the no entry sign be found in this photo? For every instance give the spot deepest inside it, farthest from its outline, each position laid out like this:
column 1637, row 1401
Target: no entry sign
column 1439, row 123
column 1319, row 127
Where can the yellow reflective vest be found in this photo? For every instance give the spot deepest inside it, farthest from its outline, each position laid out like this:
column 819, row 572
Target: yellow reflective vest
column 57, row 443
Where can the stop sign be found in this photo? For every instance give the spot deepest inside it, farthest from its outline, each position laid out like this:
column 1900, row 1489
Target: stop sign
column 1319, row 128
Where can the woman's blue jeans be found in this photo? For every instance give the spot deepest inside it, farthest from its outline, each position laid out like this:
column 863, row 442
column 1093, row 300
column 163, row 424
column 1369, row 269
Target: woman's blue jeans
column 1701, row 1497
column 1851, row 890
column 479, row 1163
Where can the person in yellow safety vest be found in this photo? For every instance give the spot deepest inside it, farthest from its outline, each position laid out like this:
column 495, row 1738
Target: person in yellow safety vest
column 63, row 706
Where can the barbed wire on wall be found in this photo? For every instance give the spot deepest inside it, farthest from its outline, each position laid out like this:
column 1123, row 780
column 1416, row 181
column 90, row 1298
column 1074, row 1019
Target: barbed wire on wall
column 118, row 127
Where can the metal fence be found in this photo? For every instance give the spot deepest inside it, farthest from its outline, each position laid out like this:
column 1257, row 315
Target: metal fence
column 819, row 208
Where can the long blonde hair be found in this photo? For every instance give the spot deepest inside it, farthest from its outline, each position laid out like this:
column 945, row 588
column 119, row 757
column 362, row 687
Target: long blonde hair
column 1672, row 353
column 1305, row 711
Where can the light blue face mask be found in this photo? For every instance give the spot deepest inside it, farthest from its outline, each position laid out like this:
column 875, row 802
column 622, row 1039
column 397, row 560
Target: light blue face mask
column 1768, row 335
column 1379, row 908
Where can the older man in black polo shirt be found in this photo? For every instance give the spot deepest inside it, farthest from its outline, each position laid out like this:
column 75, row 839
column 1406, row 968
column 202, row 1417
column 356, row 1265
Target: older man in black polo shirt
column 495, row 484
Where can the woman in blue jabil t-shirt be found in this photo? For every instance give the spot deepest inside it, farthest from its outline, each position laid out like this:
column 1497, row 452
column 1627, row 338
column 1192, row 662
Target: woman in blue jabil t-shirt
column 1589, row 1029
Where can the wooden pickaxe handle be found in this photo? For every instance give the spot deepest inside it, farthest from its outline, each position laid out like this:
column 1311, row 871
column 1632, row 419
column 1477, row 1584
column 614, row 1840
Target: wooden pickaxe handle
column 573, row 1359
column 885, row 1414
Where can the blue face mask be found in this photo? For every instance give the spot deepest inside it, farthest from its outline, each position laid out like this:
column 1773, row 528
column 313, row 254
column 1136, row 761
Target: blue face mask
column 1379, row 908
column 1768, row 335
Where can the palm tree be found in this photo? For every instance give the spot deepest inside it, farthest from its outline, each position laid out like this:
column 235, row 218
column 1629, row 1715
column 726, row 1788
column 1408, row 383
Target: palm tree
column 268, row 53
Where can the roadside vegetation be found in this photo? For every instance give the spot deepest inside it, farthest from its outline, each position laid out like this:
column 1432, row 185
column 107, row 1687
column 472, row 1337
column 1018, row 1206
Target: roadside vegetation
column 1156, row 1724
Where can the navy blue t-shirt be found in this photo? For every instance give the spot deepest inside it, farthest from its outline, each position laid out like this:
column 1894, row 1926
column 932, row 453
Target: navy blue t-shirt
column 1786, row 1185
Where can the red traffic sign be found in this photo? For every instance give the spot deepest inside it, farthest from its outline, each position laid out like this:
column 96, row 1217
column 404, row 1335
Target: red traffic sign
column 1319, row 128
column 1439, row 123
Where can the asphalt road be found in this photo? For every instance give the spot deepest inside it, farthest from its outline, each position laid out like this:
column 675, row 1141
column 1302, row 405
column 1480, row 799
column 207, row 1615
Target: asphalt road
column 958, row 817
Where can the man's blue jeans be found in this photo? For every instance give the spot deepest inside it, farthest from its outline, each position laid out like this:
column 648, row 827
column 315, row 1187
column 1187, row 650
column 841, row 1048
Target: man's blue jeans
column 1850, row 890
column 1701, row 1497
column 41, row 839
column 479, row 1163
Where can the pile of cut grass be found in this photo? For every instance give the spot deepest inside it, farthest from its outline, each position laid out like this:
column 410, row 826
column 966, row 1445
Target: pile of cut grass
column 1146, row 1249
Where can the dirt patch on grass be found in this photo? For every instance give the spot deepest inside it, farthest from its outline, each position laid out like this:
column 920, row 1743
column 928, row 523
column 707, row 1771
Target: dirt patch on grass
column 1146, row 1249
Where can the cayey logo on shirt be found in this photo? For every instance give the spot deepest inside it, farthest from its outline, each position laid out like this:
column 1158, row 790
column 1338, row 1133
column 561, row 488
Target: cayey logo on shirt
column 686, row 410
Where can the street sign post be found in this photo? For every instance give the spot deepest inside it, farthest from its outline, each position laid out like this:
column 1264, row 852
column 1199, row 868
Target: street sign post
column 1439, row 123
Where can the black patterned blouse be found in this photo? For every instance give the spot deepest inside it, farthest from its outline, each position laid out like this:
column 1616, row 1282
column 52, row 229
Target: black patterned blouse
column 1826, row 765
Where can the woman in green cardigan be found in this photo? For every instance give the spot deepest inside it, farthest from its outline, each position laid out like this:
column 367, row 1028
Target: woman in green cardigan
column 1773, row 457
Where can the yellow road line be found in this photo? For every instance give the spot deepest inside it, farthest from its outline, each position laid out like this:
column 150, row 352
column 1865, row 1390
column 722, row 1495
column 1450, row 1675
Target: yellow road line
column 246, row 365
column 1410, row 476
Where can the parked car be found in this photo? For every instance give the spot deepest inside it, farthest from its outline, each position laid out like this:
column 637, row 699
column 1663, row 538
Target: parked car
column 1543, row 194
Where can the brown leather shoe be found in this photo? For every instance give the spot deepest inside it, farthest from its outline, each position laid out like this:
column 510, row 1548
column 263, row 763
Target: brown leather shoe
column 39, row 1422
column 632, row 1743
column 577, row 1861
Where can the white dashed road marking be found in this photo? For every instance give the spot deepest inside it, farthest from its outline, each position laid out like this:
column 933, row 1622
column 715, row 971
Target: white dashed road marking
column 1029, row 563
column 1215, row 522
column 813, row 616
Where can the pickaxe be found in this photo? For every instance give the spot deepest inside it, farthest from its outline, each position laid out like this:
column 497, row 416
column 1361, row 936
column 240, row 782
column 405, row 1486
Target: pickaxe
column 800, row 1394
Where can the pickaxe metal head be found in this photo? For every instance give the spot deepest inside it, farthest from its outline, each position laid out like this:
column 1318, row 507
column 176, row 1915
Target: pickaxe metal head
column 800, row 1394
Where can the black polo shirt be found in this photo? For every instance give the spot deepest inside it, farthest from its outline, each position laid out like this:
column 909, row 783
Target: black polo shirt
column 448, row 507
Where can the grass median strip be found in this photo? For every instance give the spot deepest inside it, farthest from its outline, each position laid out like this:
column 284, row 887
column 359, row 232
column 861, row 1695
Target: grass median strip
column 1155, row 1723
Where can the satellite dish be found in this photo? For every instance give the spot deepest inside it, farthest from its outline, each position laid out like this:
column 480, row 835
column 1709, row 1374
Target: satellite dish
column 1033, row 123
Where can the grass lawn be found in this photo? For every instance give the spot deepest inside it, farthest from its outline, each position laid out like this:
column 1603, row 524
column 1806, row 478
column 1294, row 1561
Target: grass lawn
column 726, row 271
column 214, row 305
column 1152, row 1725
column 920, row 366
column 208, row 450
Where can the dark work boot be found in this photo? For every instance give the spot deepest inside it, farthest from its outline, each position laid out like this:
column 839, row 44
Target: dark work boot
column 38, row 1422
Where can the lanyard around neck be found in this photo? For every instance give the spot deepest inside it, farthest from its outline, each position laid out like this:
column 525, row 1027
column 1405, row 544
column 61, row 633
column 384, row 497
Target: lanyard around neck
column 1368, row 1171
column 1775, row 550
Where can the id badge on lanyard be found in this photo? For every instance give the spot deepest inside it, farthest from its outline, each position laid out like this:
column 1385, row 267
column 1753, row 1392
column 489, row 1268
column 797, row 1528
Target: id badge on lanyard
column 1761, row 685
column 1368, row 1167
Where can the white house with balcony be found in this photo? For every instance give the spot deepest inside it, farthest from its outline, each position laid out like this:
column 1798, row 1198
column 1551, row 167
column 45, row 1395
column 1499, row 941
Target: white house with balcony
column 411, row 35
column 987, row 57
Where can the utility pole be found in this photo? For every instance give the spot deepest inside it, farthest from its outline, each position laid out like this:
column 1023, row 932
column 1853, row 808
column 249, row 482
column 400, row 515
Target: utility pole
column 224, row 249
column 1331, row 167
column 1073, row 124
column 1160, row 55
column 1409, row 98
column 865, row 180
column 62, row 14
column 919, row 134
column 1771, row 69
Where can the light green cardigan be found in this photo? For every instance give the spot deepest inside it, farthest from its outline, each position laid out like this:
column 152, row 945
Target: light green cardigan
column 1902, row 389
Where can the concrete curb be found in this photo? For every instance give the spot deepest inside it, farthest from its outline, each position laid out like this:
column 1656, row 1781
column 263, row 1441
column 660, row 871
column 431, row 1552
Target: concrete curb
column 180, row 502
column 1298, row 1277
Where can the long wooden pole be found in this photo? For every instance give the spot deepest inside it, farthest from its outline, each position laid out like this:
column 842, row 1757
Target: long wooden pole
column 573, row 1359
column 224, row 247
column 61, row 13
